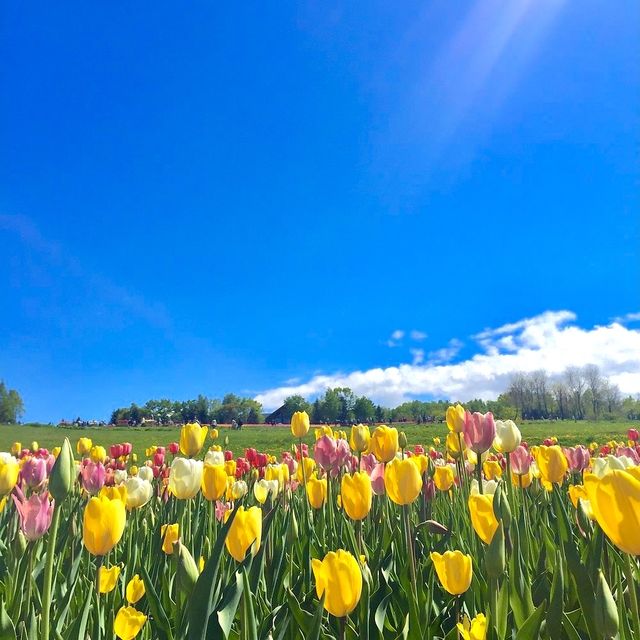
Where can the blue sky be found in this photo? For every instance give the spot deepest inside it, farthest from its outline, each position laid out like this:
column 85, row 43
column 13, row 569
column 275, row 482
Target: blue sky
column 205, row 198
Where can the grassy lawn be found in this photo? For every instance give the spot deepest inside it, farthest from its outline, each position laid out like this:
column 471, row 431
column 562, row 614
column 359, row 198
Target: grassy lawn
column 277, row 439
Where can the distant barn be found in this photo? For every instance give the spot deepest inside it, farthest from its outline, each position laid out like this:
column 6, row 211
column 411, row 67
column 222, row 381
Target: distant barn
column 279, row 416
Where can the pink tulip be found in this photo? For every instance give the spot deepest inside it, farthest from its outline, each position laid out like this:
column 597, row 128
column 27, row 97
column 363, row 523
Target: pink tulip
column 377, row 479
column 94, row 476
column 343, row 452
column 174, row 447
column 158, row 459
column 34, row 472
column 221, row 509
column 429, row 489
column 368, row 463
column 479, row 431
column 630, row 452
column 50, row 462
column 115, row 450
column 633, row 435
column 127, row 448
column 325, row 452
column 578, row 457
column 162, row 450
column 520, row 461
column 35, row 513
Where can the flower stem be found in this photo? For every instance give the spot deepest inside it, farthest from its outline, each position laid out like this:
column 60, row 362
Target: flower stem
column 632, row 595
column 48, row 572
column 479, row 473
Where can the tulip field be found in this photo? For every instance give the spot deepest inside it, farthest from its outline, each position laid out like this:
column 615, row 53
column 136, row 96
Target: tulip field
column 472, row 529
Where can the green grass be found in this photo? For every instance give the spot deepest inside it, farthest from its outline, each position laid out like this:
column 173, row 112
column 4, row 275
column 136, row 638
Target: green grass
column 277, row 439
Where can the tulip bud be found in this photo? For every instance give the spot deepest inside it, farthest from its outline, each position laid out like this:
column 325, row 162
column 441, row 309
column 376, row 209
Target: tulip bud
column 495, row 555
column 187, row 572
column 292, row 533
column 501, row 507
column 63, row 473
column 402, row 440
column 605, row 611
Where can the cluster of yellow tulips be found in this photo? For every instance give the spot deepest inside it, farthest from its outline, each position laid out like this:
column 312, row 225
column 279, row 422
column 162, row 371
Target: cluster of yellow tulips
column 356, row 535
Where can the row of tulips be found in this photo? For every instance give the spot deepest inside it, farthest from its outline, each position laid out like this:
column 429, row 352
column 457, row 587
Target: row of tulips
column 477, row 535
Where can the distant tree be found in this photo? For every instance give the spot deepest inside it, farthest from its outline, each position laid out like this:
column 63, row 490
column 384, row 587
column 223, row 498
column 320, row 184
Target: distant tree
column 293, row 404
column 11, row 405
column 594, row 383
column 364, row 410
column 576, row 384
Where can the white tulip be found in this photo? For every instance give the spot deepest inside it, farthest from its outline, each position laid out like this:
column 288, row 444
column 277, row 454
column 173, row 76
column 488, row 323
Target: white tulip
column 139, row 492
column 145, row 473
column 508, row 436
column 185, row 477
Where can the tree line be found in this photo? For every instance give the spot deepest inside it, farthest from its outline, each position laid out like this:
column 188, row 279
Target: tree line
column 578, row 393
column 11, row 405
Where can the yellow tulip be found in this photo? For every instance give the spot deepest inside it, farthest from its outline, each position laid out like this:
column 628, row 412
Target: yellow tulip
column 83, row 446
column 552, row 463
column 492, row 469
column 34, row 446
column 300, row 424
column 359, row 438
column 384, row 443
column 454, row 570
column 453, row 443
column 323, row 431
column 339, row 579
column 443, row 477
column 56, row 452
column 421, row 461
column 356, row 494
column 108, row 578
column 114, row 493
column 9, row 472
column 214, row 481
column 170, row 533
column 615, row 504
column 98, row 453
column 245, row 532
column 3, row 504
column 103, row 524
column 475, row 629
column 316, row 491
column 135, row 589
column 455, row 418
column 192, row 437
column 213, row 433
column 16, row 448
column 523, row 480
column 483, row 518
column 402, row 480
column 277, row 472
column 230, row 468
column 128, row 623
column 309, row 465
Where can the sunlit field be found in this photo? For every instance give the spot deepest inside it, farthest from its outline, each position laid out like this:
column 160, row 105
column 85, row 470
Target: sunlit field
column 275, row 440
column 472, row 529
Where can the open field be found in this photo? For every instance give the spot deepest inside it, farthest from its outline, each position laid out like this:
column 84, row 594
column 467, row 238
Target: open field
column 277, row 439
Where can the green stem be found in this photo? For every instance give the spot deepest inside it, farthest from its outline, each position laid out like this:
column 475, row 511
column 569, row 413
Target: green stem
column 412, row 559
column 479, row 473
column 31, row 551
column 48, row 572
column 632, row 595
column 99, row 561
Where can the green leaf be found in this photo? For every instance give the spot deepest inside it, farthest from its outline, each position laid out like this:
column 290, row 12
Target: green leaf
column 316, row 626
column 530, row 630
column 7, row 630
column 79, row 628
column 556, row 605
column 157, row 610
column 248, row 613
column 226, row 611
column 201, row 604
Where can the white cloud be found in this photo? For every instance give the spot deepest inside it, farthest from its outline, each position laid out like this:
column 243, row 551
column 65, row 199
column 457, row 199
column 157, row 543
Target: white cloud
column 446, row 354
column 418, row 336
column 395, row 338
column 418, row 355
column 550, row 341
column 627, row 317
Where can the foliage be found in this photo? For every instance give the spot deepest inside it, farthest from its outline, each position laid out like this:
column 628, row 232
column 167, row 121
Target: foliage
column 11, row 405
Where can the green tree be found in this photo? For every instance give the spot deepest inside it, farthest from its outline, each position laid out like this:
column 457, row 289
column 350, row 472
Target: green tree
column 364, row 409
column 11, row 405
column 293, row 404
